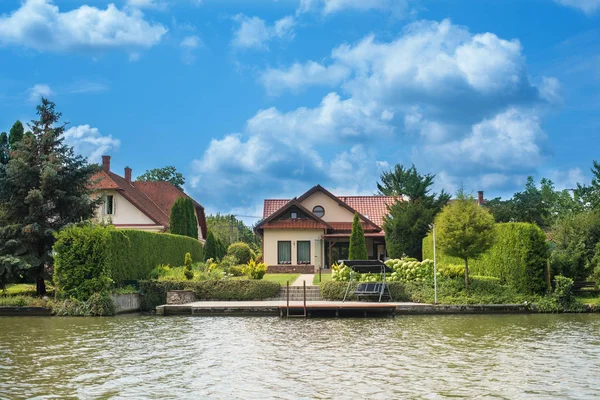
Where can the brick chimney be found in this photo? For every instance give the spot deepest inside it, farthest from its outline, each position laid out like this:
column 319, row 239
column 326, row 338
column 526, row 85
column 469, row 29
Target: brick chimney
column 106, row 163
column 480, row 200
column 128, row 174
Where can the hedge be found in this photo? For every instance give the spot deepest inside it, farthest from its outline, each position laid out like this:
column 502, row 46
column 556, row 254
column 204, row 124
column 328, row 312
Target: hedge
column 518, row 257
column 334, row 290
column 90, row 259
column 154, row 293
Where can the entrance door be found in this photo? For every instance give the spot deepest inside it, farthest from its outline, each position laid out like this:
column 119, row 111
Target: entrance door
column 339, row 251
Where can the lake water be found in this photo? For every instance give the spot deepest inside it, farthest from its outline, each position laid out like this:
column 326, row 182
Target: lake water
column 431, row 357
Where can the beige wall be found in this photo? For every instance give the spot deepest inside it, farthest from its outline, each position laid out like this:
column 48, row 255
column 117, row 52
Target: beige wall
column 125, row 213
column 271, row 236
column 333, row 211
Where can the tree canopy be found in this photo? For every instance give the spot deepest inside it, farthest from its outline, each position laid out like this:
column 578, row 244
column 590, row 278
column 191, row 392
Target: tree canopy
column 228, row 229
column 183, row 219
column 165, row 174
column 408, row 220
column 464, row 229
column 43, row 187
column 16, row 134
column 358, row 247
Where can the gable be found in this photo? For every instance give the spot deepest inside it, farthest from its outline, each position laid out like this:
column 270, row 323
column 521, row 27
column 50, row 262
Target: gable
column 125, row 213
column 333, row 211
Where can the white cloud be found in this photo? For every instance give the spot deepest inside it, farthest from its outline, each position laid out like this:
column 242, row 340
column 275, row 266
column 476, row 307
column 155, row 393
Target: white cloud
column 587, row 6
column 253, row 32
column 550, row 89
column 398, row 7
column 40, row 25
column 567, row 179
column 152, row 4
column 88, row 142
column 189, row 44
column 299, row 75
column 38, row 91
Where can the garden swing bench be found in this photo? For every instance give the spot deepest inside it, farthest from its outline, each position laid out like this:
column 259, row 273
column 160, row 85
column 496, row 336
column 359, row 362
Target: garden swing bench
column 368, row 289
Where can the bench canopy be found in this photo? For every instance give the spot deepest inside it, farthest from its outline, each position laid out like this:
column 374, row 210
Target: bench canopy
column 367, row 266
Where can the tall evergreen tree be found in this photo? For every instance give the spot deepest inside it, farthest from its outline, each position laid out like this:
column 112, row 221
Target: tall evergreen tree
column 211, row 247
column 3, row 148
column 44, row 187
column 358, row 247
column 16, row 134
column 191, row 217
column 179, row 221
column 408, row 220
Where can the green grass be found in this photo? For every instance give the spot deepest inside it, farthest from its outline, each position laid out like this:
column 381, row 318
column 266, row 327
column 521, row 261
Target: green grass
column 24, row 289
column 281, row 278
column 324, row 278
column 593, row 300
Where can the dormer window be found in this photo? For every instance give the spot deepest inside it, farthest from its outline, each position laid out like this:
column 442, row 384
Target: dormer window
column 318, row 211
column 294, row 215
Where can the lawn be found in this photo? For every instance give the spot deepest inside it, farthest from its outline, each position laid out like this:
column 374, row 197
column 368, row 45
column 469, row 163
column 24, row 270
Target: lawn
column 281, row 278
column 24, row 289
column 324, row 278
column 589, row 299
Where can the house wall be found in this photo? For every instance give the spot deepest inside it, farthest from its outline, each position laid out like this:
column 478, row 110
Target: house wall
column 125, row 213
column 271, row 236
column 333, row 211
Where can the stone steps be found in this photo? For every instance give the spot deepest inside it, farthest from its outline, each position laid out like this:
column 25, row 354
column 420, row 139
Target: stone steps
column 313, row 293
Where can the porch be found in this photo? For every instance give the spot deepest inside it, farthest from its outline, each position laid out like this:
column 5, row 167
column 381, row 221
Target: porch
column 337, row 245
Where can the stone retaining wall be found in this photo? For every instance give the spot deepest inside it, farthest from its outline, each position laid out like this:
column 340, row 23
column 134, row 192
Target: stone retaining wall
column 125, row 303
column 291, row 269
column 180, row 296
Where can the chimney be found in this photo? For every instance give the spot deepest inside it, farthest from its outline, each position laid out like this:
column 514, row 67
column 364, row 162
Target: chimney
column 480, row 200
column 106, row 163
column 128, row 174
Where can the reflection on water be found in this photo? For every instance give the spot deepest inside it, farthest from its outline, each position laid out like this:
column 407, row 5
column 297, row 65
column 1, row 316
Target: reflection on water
column 500, row 356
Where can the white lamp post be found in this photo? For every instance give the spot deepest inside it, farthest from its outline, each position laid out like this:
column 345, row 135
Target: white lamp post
column 432, row 226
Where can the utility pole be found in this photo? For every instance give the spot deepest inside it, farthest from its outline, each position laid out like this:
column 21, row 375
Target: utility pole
column 231, row 229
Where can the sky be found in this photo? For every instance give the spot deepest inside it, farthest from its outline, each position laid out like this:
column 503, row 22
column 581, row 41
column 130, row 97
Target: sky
column 255, row 99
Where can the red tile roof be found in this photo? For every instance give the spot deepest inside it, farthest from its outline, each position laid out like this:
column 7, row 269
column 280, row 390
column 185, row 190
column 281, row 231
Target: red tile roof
column 347, row 226
column 154, row 199
column 372, row 207
column 293, row 224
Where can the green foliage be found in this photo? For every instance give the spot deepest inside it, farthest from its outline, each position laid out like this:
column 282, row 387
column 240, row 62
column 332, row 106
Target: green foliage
column 190, row 214
column 518, row 257
column 358, row 247
column 11, row 268
column 465, row 230
column 228, row 229
column 179, row 220
column 589, row 195
column 335, row 290
column 43, row 188
column 575, row 245
column 408, row 220
column 211, row 247
column 189, row 274
column 165, row 174
column 89, row 258
column 242, row 252
column 23, row 301
column 451, row 271
column 98, row 305
column 3, row 148
column 236, row 270
column 561, row 299
column 155, row 292
column 255, row 270
column 16, row 134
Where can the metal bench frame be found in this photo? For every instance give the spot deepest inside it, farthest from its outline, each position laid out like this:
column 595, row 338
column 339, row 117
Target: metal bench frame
column 377, row 288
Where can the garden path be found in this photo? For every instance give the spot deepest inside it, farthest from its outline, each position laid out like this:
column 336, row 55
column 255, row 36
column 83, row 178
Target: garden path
column 308, row 278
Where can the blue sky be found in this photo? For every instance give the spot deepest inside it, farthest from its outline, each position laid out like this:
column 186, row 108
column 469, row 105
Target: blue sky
column 254, row 99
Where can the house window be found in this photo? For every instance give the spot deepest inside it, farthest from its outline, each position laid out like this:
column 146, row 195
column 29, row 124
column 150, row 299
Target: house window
column 319, row 211
column 284, row 252
column 303, row 252
column 294, row 215
column 109, row 205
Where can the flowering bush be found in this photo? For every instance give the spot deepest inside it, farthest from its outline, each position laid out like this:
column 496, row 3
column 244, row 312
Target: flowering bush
column 255, row 270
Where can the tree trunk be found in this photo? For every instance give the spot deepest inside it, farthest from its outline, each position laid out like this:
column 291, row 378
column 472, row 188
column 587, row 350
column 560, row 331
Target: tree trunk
column 467, row 273
column 40, row 286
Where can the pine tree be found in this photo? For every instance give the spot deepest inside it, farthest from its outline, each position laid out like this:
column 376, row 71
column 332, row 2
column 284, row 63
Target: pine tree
column 191, row 217
column 16, row 134
column 3, row 148
column 358, row 247
column 43, row 188
column 210, row 247
column 179, row 220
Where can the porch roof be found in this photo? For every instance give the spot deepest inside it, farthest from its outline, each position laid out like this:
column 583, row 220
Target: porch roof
column 347, row 235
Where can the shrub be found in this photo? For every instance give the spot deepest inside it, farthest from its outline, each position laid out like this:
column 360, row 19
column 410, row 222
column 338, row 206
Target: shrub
column 335, row 291
column 90, row 259
column 154, row 293
column 254, row 270
column 241, row 251
column 561, row 299
column 187, row 263
column 451, row 271
column 236, row 270
column 228, row 261
column 518, row 257
column 98, row 305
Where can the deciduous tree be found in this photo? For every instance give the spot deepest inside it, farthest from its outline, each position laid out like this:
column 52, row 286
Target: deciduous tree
column 165, row 174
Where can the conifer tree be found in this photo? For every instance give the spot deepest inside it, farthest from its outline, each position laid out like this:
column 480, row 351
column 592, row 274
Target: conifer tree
column 16, row 134
column 179, row 219
column 3, row 148
column 210, row 247
column 43, row 187
column 191, row 217
column 358, row 247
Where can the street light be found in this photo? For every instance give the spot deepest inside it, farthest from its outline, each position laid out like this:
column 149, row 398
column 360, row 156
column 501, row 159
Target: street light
column 432, row 227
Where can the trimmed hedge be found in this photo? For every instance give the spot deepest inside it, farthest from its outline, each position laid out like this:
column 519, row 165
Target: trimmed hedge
column 518, row 257
column 154, row 293
column 90, row 259
column 334, row 290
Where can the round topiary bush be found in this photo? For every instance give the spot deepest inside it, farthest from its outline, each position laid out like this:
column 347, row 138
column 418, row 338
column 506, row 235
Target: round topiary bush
column 241, row 251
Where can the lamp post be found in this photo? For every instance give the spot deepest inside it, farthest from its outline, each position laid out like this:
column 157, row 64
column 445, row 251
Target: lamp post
column 432, row 226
